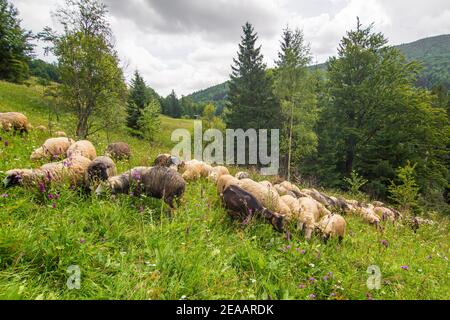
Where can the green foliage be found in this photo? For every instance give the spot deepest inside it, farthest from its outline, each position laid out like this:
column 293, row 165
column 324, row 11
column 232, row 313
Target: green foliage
column 149, row 123
column 216, row 94
column 251, row 101
column 355, row 182
column 44, row 70
column 210, row 120
column 92, row 83
column 140, row 95
column 171, row 106
column 406, row 192
column 375, row 119
column 293, row 86
column 15, row 47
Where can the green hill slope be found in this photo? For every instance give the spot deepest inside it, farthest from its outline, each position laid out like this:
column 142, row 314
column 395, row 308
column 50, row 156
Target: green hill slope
column 133, row 248
column 433, row 53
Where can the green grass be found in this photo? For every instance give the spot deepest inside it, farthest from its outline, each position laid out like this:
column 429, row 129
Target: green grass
column 128, row 253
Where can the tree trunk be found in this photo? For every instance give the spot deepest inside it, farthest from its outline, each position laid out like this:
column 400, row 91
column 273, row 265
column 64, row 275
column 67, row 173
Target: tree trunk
column 82, row 127
column 290, row 143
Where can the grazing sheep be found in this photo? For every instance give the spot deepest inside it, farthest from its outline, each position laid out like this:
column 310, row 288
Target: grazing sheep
column 385, row 213
column 293, row 204
column 72, row 169
column 243, row 205
column 267, row 196
column 242, row 175
column 266, row 184
column 367, row 213
column 332, row 225
column 60, row 134
column 52, row 148
column 320, row 197
column 194, row 169
column 217, row 172
column 292, row 188
column 310, row 213
column 100, row 169
column 41, row 128
column 83, row 148
column 167, row 160
column 157, row 182
column 14, row 121
column 378, row 204
column 224, row 182
column 118, row 151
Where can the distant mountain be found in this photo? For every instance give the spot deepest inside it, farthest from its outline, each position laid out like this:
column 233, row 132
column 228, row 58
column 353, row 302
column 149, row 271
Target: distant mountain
column 433, row 53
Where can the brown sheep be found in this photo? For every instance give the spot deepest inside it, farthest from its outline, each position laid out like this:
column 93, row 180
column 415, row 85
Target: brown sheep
column 157, row 182
column 52, row 148
column 167, row 160
column 14, row 121
column 243, row 205
column 100, row 169
column 118, row 151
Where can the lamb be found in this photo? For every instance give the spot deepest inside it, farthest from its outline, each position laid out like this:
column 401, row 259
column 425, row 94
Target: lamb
column 267, row 196
column 84, row 148
column 100, row 169
column 14, row 121
column 242, row 175
column 118, row 151
column 167, row 160
column 157, row 182
column 243, row 205
column 52, row 148
column 224, row 182
column 72, row 169
column 332, row 225
column 217, row 172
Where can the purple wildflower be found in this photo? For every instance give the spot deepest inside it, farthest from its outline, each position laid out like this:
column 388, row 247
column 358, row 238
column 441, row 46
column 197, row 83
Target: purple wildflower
column 72, row 187
column 6, row 143
column 330, row 274
column 303, row 252
column 333, row 294
column 301, row 286
column 326, row 278
column 82, row 240
column 385, row 243
column 50, row 196
column 312, row 296
column 67, row 163
column 4, row 195
column 288, row 247
column 141, row 209
column 136, row 176
column 41, row 187
column 312, row 280
column 57, row 196
column 405, row 267
column 54, row 205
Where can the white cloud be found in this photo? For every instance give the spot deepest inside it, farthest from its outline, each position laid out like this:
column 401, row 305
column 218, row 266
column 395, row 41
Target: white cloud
column 188, row 45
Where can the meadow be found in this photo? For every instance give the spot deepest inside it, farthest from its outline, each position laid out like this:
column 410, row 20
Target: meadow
column 131, row 248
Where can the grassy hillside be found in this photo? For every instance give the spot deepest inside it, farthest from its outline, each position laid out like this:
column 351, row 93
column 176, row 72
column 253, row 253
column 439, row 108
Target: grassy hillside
column 433, row 53
column 130, row 248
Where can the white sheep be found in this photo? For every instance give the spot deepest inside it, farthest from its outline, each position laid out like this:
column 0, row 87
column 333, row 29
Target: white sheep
column 52, row 148
column 332, row 225
column 84, row 148
column 216, row 172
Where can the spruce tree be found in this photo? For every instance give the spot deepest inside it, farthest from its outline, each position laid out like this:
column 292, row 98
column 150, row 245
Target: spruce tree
column 251, row 103
column 138, row 99
column 15, row 48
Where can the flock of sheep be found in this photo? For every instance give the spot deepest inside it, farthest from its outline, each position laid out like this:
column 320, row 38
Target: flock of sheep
column 283, row 205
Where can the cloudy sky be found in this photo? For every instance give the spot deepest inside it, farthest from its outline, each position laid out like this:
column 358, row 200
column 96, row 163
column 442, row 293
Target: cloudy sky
column 189, row 45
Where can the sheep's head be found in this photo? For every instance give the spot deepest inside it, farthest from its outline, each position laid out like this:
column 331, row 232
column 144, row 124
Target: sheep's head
column 276, row 220
column 13, row 178
column 37, row 154
column 103, row 189
column 242, row 175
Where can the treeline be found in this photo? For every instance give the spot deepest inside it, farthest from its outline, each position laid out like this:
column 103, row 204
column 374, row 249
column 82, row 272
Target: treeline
column 361, row 120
